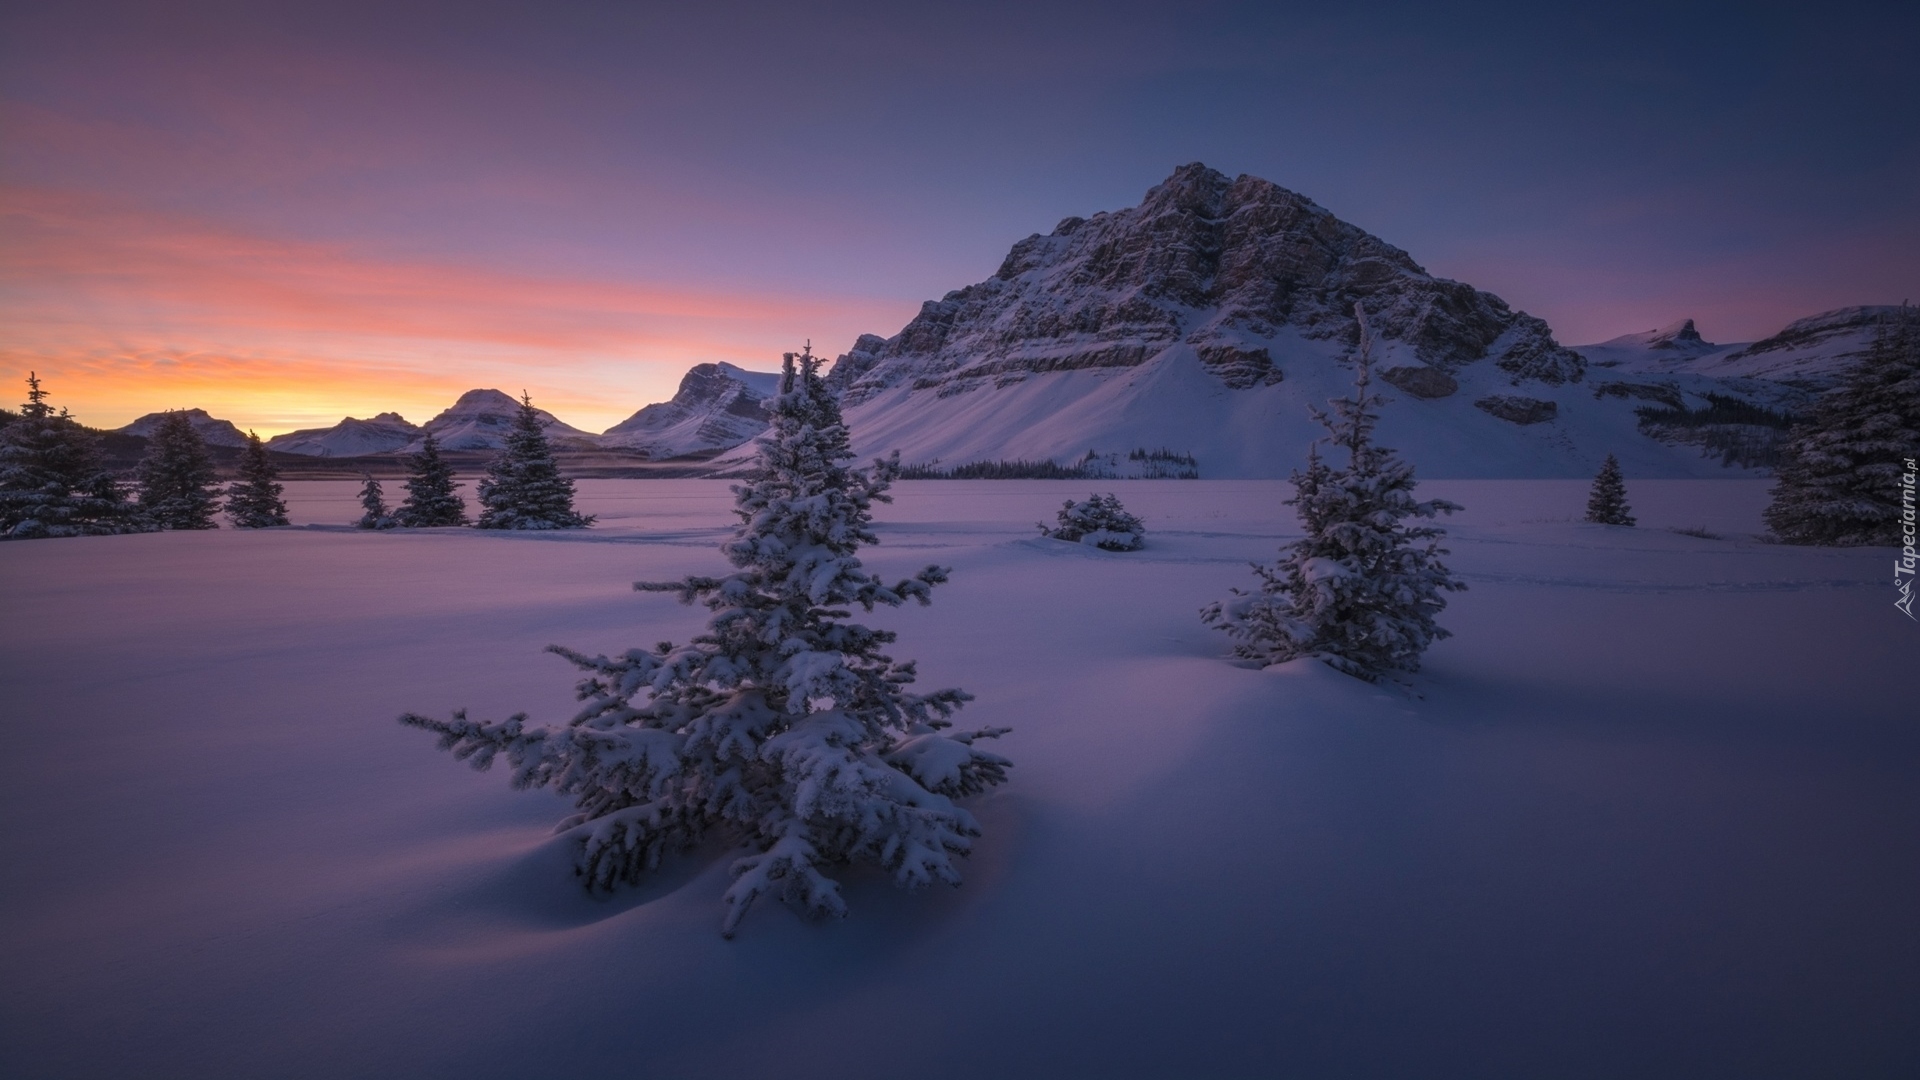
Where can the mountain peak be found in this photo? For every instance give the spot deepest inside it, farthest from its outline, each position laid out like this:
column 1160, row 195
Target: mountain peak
column 1226, row 267
column 717, row 406
column 1679, row 335
column 214, row 431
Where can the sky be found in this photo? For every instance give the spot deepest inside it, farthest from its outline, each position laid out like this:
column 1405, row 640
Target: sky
column 285, row 213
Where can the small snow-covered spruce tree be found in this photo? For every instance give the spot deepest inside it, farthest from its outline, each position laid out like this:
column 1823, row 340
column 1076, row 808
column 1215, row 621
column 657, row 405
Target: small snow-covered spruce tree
column 1360, row 590
column 253, row 501
column 52, row 482
column 373, row 503
column 176, row 476
column 432, row 497
column 783, row 724
column 1607, row 502
column 523, row 488
column 1839, row 482
column 1100, row 521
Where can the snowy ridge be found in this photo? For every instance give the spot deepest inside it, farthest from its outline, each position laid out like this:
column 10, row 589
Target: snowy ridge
column 1809, row 353
column 717, row 407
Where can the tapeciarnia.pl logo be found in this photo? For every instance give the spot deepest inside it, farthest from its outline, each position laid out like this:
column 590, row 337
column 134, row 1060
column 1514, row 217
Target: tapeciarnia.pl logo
column 1904, row 564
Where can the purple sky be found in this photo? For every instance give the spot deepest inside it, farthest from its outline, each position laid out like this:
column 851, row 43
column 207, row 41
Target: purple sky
column 287, row 212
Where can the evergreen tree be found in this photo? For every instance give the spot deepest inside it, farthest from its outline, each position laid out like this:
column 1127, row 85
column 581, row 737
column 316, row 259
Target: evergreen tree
column 1360, row 590
column 433, row 498
column 1100, row 521
column 1607, row 503
column 783, row 724
column 523, row 488
column 253, row 501
column 176, row 476
column 374, row 503
column 1839, row 481
column 52, row 482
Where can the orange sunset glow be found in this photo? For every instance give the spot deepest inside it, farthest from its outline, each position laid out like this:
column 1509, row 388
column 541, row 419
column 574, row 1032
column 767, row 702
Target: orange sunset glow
column 126, row 311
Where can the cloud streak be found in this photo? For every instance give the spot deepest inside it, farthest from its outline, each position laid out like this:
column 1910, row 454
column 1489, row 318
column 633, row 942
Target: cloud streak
column 152, row 301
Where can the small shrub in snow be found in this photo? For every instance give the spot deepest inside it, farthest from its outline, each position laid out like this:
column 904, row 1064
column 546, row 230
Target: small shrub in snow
column 176, row 476
column 1100, row 521
column 1361, row 588
column 1839, row 480
column 52, row 482
column 433, row 499
column 523, row 488
column 373, row 506
column 783, row 724
column 253, row 502
column 1607, row 502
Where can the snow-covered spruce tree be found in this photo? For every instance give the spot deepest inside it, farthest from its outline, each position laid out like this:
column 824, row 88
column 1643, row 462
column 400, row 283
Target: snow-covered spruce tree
column 253, row 501
column 523, row 488
column 1360, row 590
column 783, row 725
column 1839, row 481
column 1607, row 502
column 52, row 482
column 1100, row 521
column 373, row 505
column 433, row 499
column 176, row 476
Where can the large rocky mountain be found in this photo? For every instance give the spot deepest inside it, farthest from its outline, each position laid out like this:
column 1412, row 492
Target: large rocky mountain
column 1208, row 321
column 717, row 407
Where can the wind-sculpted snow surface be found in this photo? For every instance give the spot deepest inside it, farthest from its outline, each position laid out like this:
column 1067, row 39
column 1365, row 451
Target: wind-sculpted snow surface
column 1652, row 816
column 783, row 723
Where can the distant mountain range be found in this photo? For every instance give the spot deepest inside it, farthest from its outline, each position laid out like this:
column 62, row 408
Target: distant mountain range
column 1200, row 327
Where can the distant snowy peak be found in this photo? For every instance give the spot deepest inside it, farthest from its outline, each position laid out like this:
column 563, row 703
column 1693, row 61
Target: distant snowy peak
column 481, row 419
column 1670, row 347
column 383, row 434
column 1208, row 267
column 718, row 406
column 216, row 432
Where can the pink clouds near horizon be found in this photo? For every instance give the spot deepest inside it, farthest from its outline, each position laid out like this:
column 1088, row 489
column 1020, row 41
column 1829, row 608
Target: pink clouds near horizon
column 126, row 310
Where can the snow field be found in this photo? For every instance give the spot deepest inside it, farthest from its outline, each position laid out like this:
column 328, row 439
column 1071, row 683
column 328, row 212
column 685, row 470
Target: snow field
column 1653, row 815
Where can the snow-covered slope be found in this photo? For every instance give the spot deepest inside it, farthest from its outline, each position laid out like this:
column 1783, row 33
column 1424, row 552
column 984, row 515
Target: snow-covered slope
column 1814, row 351
column 383, row 434
column 718, row 406
column 481, row 419
column 1653, row 814
column 215, row 431
column 1208, row 321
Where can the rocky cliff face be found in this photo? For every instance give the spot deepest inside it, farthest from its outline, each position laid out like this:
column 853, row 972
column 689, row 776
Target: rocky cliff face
column 717, row 406
column 1226, row 268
